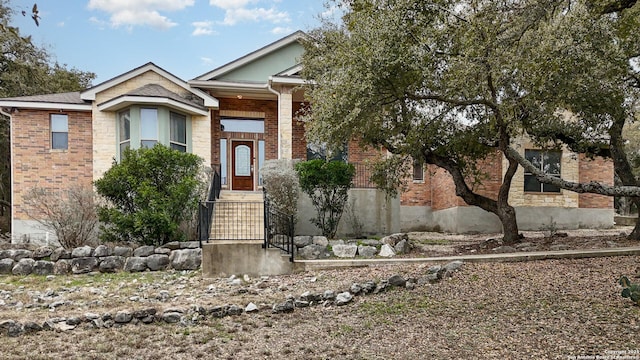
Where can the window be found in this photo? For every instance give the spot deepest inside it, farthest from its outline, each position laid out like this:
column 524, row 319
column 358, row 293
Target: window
column 148, row 127
column 549, row 163
column 261, row 154
column 242, row 125
column 418, row 171
column 59, row 131
column 320, row 151
column 178, row 130
column 124, row 125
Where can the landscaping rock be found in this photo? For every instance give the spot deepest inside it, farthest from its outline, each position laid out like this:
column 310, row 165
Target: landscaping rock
column 402, row 247
column 320, row 240
column 173, row 245
column 84, row 251
column 313, row 251
column 187, row 259
column 345, row 251
column 62, row 267
column 162, row 251
column 123, row 317
column 336, row 242
column 393, row 239
column 157, row 262
column 367, row 251
column 343, row 298
column 123, row 251
column 102, row 251
column 42, row 252
column 302, row 241
column 135, row 264
column 83, row 265
column 251, row 307
column 60, row 253
column 190, row 245
column 42, row 267
column 19, row 254
column 397, row 280
column 143, row 251
column 370, row 242
column 504, row 249
column 171, row 317
column 23, row 267
column 6, row 266
column 387, row 251
column 453, row 266
column 329, row 295
column 112, row 264
column 287, row 306
column 6, row 254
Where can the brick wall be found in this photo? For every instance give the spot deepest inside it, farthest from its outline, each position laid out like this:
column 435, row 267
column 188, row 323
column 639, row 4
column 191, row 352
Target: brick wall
column 36, row 165
column 600, row 170
column 270, row 110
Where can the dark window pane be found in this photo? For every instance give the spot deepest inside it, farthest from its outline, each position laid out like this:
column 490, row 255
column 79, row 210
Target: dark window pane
column 418, row 171
column 178, row 128
column 531, row 184
column 178, row 147
column 550, row 188
column 59, row 140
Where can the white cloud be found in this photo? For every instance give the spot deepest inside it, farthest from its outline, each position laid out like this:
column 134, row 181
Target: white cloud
column 206, row 60
column 140, row 12
column 60, row 24
column 240, row 11
column 281, row 30
column 203, row 28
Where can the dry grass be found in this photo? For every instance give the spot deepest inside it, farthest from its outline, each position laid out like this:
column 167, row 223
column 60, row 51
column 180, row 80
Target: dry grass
column 535, row 310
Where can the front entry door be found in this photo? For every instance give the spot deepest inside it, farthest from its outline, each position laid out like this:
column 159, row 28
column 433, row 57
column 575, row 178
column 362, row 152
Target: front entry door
column 242, row 165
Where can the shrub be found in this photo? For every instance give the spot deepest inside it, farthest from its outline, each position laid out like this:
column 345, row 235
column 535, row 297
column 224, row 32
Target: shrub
column 150, row 193
column 281, row 183
column 327, row 184
column 70, row 214
column 629, row 290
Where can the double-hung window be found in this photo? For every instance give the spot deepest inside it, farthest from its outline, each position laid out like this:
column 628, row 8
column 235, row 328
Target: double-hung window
column 124, row 124
column 59, row 131
column 418, row 171
column 549, row 163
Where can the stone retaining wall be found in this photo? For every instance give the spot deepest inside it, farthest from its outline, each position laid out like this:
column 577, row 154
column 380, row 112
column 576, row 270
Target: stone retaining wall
column 103, row 258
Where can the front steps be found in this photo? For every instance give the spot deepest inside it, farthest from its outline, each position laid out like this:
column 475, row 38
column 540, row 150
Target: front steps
column 236, row 239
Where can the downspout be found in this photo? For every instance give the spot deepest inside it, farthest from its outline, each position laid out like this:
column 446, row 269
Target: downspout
column 279, row 115
column 8, row 114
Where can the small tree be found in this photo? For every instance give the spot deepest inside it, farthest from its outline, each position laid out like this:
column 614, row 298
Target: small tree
column 70, row 213
column 150, row 192
column 282, row 185
column 327, row 184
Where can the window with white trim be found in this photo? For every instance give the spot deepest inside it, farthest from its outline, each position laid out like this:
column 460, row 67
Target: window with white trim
column 124, row 126
column 59, row 131
column 148, row 127
column 178, row 132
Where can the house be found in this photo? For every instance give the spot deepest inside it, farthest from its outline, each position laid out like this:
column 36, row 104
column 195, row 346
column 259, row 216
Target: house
column 236, row 117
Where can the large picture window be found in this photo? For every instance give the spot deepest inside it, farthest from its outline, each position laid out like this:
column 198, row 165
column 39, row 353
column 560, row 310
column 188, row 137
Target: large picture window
column 144, row 127
column 59, row 131
column 546, row 161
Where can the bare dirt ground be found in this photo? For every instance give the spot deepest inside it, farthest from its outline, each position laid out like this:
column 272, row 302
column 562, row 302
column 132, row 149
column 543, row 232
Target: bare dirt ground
column 552, row 309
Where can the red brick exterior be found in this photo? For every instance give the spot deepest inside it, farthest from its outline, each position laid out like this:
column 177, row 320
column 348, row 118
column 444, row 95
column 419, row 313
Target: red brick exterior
column 600, row 170
column 35, row 164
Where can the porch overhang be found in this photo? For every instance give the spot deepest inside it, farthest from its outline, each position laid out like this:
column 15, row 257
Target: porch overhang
column 122, row 102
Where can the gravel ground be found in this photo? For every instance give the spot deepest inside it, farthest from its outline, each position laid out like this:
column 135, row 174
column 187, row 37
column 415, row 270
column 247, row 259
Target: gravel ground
column 550, row 309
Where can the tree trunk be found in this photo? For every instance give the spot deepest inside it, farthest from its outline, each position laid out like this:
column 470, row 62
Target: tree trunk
column 501, row 208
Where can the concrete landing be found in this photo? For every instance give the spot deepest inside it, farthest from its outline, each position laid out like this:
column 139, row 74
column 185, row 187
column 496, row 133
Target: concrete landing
column 239, row 257
column 305, row 265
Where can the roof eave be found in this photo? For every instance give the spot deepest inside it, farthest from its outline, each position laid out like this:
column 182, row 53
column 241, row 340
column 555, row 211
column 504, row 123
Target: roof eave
column 127, row 100
column 44, row 105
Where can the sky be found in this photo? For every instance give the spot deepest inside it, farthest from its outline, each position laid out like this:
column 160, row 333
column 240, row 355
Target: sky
column 185, row 37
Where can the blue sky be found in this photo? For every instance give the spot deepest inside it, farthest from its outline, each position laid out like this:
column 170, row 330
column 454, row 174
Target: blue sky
column 185, row 37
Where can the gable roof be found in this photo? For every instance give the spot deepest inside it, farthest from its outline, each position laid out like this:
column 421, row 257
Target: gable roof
column 236, row 64
column 156, row 94
column 90, row 94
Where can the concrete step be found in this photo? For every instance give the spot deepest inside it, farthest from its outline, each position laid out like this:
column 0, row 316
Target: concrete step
column 241, row 196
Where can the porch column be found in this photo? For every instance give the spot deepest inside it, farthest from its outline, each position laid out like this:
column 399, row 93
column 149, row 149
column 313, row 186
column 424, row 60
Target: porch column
column 285, row 123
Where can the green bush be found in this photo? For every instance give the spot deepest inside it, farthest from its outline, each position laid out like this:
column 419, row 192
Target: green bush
column 150, row 193
column 629, row 290
column 327, row 184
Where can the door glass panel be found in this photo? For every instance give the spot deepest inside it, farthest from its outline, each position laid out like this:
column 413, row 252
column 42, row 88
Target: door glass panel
column 260, row 160
column 243, row 125
column 243, row 160
column 223, row 161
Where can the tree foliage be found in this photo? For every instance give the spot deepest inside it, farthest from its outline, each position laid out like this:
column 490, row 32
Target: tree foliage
column 327, row 183
column 150, row 192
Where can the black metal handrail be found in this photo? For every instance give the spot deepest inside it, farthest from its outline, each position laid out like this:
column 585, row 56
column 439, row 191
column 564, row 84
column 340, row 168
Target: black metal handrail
column 362, row 176
column 207, row 208
column 278, row 229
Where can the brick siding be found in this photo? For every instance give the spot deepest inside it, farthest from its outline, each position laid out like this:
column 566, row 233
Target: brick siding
column 36, row 165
